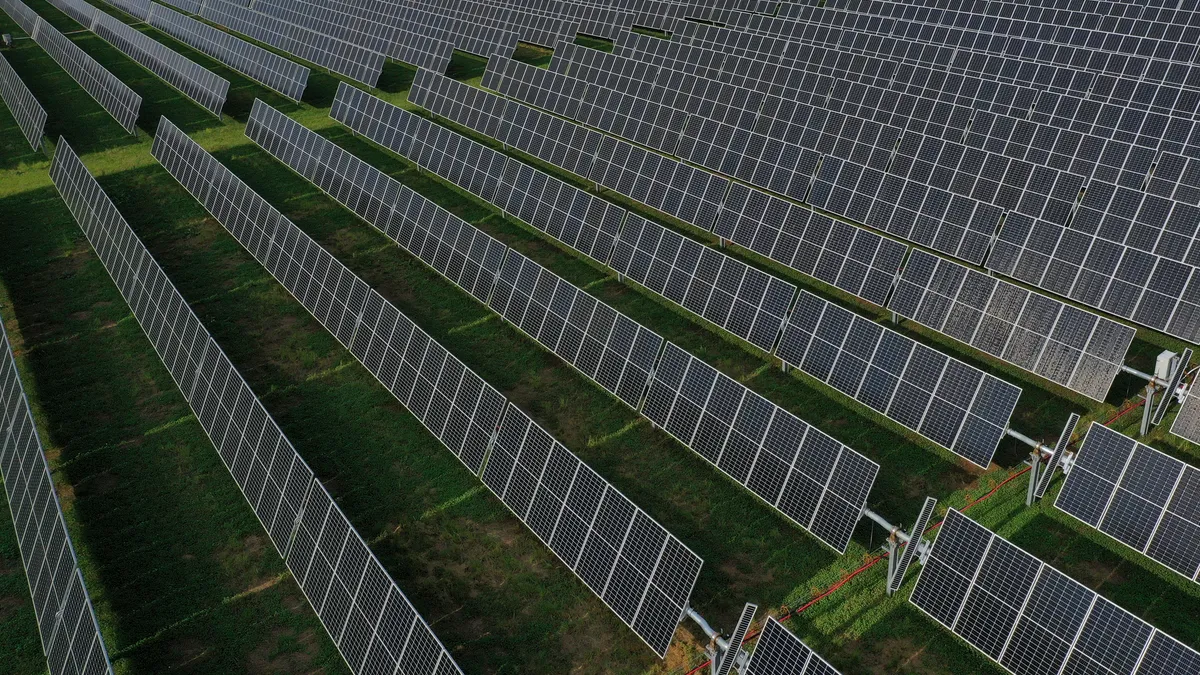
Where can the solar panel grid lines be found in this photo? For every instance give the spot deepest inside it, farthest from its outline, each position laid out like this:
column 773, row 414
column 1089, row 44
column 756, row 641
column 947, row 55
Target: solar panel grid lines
column 82, row 12
column 736, row 638
column 111, row 93
column 196, row 82
column 451, row 401
column 569, row 146
column 1148, row 289
column 186, row 6
column 1137, row 495
column 691, row 194
column 939, row 219
column 913, row 544
column 779, row 652
column 454, row 248
column 1187, row 421
column 812, row 479
column 640, row 570
column 472, row 107
column 21, row 14
column 332, row 20
column 768, row 163
column 534, row 28
column 1030, row 618
column 139, row 9
column 1060, row 449
column 607, row 346
column 25, row 109
column 539, row 87
column 848, row 257
column 357, row 63
column 63, row 610
column 469, row 36
column 741, row 299
column 1066, row 345
column 266, row 67
column 947, row 401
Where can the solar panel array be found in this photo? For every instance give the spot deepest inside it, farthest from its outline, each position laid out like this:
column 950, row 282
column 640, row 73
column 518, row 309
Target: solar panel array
column 1180, row 366
column 779, row 652
column 1031, row 618
column 331, row 20
column 817, row 482
column 571, row 215
column 355, row 62
column 20, row 13
column 642, row 572
column 455, row 248
column 264, row 66
column 1187, row 421
column 458, row 408
column 373, row 625
column 743, row 300
column 25, row 109
column 139, row 9
column 610, row 348
column 1062, row 343
column 196, row 82
column 955, row 405
column 1137, row 495
column 469, row 36
column 66, row 621
column 111, row 93
column 82, row 12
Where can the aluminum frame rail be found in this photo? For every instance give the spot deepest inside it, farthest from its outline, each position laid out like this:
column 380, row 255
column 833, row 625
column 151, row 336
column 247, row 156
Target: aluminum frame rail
column 65, row 617
column 642, row 572
column 366, row 614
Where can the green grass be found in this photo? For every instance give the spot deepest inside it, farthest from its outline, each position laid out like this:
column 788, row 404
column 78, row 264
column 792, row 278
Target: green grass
column 166, row 541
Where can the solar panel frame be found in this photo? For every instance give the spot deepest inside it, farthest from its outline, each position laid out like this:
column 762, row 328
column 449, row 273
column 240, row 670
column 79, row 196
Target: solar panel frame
column 741, row 299
column 1060, row 449
column 111, row 93
column 261, row 65
column 945, row 400
column 779, row 652
column 1071, row 347
column 815, row 481
column 457, row 406
column 994, row 595
column 193, row 80
column 21, row 14
column 913, row 544
column 25, row 109
column 614, row 351
column 642, row 572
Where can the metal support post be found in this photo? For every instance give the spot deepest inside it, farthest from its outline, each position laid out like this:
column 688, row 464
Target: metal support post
column 1148, row 409
column 893, row 561
column 1035, row 472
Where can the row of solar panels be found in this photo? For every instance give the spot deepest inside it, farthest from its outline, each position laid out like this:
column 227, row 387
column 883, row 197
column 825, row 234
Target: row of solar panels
column 630, row 561
column 374, row 626
column 885, row 181
column 1068, row 346
column 28, row 113
column 61, row 605
column 814, row 480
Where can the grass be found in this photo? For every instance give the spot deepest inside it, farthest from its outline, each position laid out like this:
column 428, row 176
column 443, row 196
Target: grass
column 169, row 547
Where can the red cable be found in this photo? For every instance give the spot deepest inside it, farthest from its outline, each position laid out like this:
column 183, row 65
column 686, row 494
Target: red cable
column 871, row 563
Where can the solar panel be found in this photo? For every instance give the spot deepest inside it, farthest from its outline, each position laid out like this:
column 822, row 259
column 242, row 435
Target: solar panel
column 456, row 249
column 365, row 613
column 571, row 215
column 1187, row 421
column 955, row 405
column 1066, row 345
column 451, row 401
column 26, row 111
column 469, row 106
column 333, row 20
column 111, row 93
column 264, row 66
column 641, row 571
column 469, row 36
column 1028, row 616
column 65, row 618
column 20, row 13
column 1149, row 289
column 842, row 255
column 421, row 45
column 610, row 348
column 195, row 81
column 817, row 482
column 139, row 9
column 1060, row 448
column 690, row 194
column 911, row 210
column 1137, row 495
column 82, row 12
column 736, row 638
column 780, row 653
column 911, row 547
column 538, row 87
column 745, row 301
column 344, row 58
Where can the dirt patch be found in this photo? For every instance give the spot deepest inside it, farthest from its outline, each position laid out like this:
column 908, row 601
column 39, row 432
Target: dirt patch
column 241, row 560
column 1095, row 573
column 10, row 605
column 81, row 316
column 186, row 651
column 586, row 649
column 894, row 655
column 745, row 573
column 283, row 651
